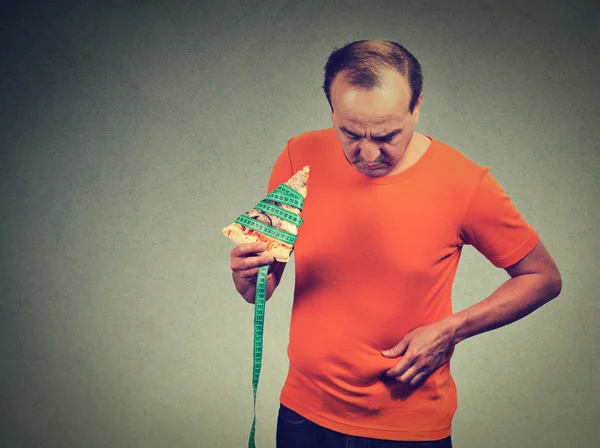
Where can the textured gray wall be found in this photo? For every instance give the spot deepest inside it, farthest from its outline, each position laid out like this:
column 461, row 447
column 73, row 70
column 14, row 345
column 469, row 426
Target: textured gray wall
column 132, row 132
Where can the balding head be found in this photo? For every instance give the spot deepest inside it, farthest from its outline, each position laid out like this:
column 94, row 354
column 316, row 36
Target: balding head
column 362, row 64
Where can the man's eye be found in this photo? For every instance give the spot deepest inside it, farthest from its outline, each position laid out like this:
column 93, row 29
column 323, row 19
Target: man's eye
column 383, row 141
column 354, row 138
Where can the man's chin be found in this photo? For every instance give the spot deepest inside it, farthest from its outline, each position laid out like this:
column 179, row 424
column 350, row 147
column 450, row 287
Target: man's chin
column 378, row 172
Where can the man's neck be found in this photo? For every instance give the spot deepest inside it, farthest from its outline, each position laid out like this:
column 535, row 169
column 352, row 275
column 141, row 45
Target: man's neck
column 414, row 151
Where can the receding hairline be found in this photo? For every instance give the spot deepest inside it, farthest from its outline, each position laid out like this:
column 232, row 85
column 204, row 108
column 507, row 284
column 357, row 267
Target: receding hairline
column 362, row 64
column 375, row 72
column 377, row 44
column 374, row 56
column 376, row 81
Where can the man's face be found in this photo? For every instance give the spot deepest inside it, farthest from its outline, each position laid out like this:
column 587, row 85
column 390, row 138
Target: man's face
column 375, row 126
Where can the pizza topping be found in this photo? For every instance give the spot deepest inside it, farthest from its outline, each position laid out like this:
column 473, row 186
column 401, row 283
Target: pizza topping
column 298, row 181
column 260, row 216
column 263, row 238
column 274, row 221
column 289, row 208
column 280, row 232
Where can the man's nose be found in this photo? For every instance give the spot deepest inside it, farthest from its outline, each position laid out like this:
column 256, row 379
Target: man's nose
column 369, row 151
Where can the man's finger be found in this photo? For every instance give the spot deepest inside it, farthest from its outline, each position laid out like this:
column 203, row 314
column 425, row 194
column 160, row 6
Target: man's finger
column 244, row 264
column 397, row 350
column 418, row 379
column 398, row 370
column 245, row 249
column 256, row 262
column 249, row 274
column 408, row 376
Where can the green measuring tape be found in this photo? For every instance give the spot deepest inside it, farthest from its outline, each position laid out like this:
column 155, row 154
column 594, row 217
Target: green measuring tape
column 266, row 229
column 279, row 212
column 285, row 195
column 259, row 319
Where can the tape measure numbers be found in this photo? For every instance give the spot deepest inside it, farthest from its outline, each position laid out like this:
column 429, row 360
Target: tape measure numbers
column 279, row 212
column 266, row 229
column 259, row 319
column 285, row 195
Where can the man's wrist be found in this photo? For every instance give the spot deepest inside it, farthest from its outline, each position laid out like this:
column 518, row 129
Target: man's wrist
column 454, row 325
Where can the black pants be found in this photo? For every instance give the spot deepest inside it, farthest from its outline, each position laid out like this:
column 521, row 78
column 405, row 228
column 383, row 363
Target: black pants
column 295, row 431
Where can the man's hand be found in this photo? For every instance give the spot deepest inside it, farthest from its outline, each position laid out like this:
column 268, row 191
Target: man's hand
column 246, row 258
column 423, row 350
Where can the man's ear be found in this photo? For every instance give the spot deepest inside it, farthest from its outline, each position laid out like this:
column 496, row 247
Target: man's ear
column 417, row 110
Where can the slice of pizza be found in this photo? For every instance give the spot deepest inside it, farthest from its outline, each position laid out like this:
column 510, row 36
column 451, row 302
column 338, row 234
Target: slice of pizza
column 274, row 220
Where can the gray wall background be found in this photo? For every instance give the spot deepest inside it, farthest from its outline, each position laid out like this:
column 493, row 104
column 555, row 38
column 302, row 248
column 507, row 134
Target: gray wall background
column 132, row 132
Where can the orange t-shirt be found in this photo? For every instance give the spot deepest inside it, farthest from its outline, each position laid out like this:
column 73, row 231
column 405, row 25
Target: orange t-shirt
column 376, row 258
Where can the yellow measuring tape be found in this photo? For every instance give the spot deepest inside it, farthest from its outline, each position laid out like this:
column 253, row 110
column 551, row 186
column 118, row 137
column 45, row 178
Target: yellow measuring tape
column 285, row 195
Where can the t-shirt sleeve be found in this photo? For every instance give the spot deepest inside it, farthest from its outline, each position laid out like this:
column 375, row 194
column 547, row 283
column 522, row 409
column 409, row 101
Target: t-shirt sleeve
column 493, row 225
column 282, row 170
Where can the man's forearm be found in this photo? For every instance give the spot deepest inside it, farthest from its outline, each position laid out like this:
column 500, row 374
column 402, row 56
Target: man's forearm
column 514, row 299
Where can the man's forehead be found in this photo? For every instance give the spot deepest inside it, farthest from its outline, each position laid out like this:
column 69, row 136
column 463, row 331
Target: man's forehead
column 373, row 108
column 375, row 124
column 380, row 121
column 390, row 82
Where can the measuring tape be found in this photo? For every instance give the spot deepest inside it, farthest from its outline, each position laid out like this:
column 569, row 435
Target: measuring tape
column 266, row 229
column 259, row 319
column 285, row 195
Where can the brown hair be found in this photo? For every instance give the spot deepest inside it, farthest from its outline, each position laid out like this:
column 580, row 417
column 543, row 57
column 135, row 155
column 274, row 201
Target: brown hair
column 362, row 61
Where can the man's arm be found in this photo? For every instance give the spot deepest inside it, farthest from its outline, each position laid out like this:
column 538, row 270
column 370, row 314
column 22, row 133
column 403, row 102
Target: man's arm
column 535, row 280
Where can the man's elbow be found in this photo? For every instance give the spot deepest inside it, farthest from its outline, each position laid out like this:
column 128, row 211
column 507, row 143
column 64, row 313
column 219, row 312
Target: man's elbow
column 558, row 285
column 554, row 284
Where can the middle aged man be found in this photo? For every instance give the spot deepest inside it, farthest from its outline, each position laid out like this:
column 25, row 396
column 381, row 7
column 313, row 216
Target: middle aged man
column 387, row 214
